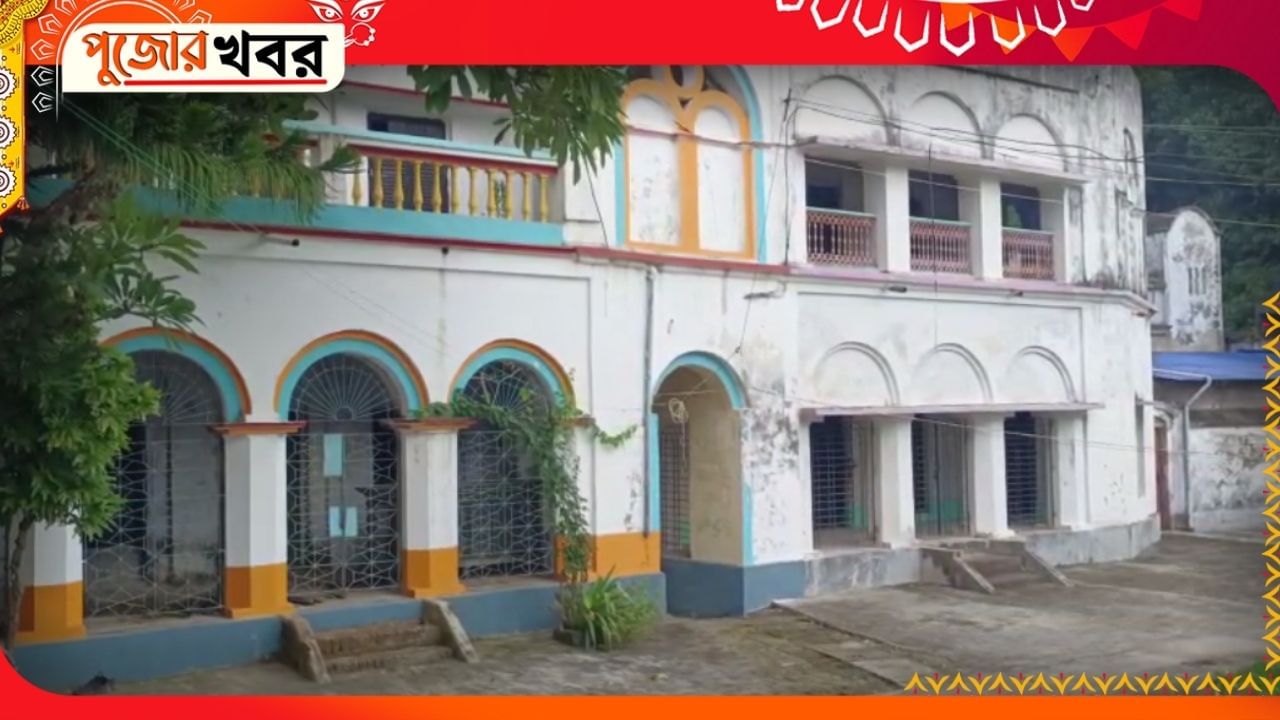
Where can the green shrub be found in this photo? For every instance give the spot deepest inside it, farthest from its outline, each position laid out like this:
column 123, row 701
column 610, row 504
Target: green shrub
column 603, row 615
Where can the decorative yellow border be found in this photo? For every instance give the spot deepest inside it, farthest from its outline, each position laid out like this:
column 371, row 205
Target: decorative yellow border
column 13, row 139
column 1165, row 684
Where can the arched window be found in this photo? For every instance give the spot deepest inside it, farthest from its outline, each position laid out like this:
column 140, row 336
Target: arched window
column 503, row 525
column 163, row 553
column 688, row 164
column 343, row 480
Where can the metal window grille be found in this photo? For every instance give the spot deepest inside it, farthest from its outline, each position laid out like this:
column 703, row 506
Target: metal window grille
column 839, row 454
column 502, row 524
column 841, row 238
column 940, row 476
column 943, row 247
column 163, row 552
column 1028, row 457
column 674, row 470
column 423, row 184
column 343, row 482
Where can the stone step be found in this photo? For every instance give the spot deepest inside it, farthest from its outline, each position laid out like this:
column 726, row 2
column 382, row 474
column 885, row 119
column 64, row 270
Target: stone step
column 1002, row 570
column 382, row 637
column 401, row 659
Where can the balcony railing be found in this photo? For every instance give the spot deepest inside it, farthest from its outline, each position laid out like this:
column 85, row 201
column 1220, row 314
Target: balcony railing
column 841, row 237
column 1028, row 254
column 941, row 246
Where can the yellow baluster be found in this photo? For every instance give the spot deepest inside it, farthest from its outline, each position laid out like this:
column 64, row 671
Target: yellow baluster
column 399, row 183
column 506, row 195
column 375, row 182
column 546, row 204
column 493, row 193
column 475, row 190
column 528, row 196
column 456, row 194
column 417, row 185
column 357, row 187
column 437, row 193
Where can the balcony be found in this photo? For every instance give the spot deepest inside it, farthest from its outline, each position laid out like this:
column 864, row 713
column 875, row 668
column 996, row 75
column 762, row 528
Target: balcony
column 941, row 246
column 1028, row 254
column 841, row 238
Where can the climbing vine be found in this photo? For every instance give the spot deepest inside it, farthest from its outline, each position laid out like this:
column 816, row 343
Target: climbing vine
column 599, row 614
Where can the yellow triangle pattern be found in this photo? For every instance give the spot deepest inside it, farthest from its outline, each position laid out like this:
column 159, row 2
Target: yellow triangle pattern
column 1271, row 550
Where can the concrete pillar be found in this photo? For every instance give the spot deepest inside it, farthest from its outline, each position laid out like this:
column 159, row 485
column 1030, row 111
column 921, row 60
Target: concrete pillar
column 1070, row 473
column 988, row 228
column 890, row 201
column 896, row 509
column 429, row 506
column 257, row 542
column 1054, row 218
column 53, row 585
column 987, row 471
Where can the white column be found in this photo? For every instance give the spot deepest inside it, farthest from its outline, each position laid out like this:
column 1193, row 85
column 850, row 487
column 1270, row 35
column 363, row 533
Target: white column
column 257, row 542
column 988, row 229
column 1054, row 213
column 429, row 506
column 1069, row 472
column 895, row 506
column 890, row 200
column 52, row 578
column 987, row 471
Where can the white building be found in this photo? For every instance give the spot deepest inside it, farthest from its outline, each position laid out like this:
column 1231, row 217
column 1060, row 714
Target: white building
column 824, row 294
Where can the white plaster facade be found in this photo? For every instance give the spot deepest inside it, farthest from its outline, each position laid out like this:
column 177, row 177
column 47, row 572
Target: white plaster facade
column 880, row 343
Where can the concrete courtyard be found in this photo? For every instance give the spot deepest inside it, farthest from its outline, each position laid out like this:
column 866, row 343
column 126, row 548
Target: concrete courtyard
column 1191, row 604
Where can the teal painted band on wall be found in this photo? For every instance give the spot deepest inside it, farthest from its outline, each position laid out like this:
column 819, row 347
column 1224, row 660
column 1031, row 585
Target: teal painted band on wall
column 365, row 349
column 549, row 378
column 621, row 201
column 357, row 220
column 655, row 474
column 222, row 376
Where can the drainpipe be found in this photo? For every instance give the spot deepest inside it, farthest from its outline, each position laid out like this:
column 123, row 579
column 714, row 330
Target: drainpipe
column 1186, row 432
column 649, row 277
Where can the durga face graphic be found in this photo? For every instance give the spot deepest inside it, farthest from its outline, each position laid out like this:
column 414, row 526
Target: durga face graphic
column 358, row 19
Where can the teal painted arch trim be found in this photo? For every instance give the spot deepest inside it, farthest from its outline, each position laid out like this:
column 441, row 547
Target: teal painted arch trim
column 404, row 378
column 713, row 364
column 223, row 376
column 552, row 379
column 757, row 136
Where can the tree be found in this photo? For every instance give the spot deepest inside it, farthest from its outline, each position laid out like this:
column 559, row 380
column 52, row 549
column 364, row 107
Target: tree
column 1213, row 141
column 90, row 255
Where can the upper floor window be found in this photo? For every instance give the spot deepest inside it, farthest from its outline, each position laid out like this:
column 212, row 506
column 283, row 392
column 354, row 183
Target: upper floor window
column 413, row 177
column 833, row 186
column 688, row 166
column 934, row 196
column 401, row 125
column 1020, row 207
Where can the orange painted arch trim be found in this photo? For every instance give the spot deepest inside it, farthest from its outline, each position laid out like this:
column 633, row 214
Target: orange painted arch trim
column 539, row 360
column 235, row 393
column 386, row 354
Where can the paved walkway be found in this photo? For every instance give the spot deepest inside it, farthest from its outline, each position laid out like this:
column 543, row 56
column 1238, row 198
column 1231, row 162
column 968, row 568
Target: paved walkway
column 1191, row 604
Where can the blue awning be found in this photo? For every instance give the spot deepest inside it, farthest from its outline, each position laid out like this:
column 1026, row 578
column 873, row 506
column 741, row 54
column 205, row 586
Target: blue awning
column 1237, row 366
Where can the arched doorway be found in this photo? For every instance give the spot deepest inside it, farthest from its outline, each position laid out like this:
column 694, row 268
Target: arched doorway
column 163, row 552
column 503, row 525
column 699, row 473
column 343, row 480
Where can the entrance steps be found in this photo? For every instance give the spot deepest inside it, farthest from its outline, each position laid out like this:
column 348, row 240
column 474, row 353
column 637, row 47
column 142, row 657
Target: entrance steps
column 989, row 566
column 436, row 637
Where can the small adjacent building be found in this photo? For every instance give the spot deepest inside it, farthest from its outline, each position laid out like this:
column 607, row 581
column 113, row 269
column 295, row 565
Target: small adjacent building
column 1209, row 442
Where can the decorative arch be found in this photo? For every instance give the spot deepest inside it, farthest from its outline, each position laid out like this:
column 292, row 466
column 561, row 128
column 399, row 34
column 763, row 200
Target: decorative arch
column 386, row 355
column 1034, row 372
column 848, row 93
column 944, row 122
column 687, row 105
column 550, row 371
column 1031, row 140
column 232, row 389
column 723, row 372
column 861, row 355
column 932, row 370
